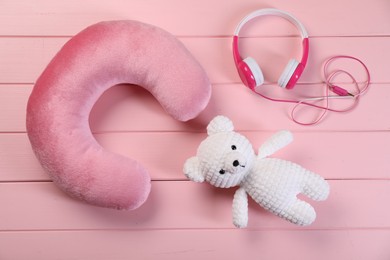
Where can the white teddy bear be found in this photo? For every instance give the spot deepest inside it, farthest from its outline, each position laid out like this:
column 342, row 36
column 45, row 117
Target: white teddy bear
column 226, row 159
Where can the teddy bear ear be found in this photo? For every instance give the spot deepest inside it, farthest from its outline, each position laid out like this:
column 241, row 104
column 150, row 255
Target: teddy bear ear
column 192, row 170
column 220, row 124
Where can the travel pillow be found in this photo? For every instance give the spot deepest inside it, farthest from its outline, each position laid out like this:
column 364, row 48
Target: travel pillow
column 99, row 57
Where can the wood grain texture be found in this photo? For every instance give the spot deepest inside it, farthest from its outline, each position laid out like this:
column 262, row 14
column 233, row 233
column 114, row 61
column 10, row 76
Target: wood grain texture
column 334, row 160
column 125, row 108
column 26, row 57
column 209, row 18
column 182, row 204
column 195, row 244
column 181, row 219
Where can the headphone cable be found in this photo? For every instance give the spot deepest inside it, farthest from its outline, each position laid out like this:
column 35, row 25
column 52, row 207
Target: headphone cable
column 340, row 92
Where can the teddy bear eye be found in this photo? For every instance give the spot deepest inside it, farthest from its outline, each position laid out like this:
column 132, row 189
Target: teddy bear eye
column 222, row 171
column 234, row 147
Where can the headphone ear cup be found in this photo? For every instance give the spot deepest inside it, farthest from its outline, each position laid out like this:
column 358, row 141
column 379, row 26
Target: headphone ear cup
column 288, row 72
column 250, row 73
column 256, row 71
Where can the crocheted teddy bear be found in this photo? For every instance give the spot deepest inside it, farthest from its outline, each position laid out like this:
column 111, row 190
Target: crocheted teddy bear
column 226, row 159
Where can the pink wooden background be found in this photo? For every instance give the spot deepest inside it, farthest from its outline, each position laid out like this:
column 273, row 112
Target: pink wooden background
column 184, row 220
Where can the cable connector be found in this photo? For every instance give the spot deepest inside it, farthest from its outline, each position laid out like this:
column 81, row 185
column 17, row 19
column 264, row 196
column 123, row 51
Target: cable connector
column 340, row 91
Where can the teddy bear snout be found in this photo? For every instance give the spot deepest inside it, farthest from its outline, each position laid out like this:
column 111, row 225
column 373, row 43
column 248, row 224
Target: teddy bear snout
column 235, row 162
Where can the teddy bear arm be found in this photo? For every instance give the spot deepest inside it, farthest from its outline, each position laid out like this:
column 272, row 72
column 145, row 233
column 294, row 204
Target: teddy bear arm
column 240, row 208
column 275, row 143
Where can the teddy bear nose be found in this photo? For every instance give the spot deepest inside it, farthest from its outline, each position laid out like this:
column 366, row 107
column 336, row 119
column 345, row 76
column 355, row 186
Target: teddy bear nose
column 236, row 163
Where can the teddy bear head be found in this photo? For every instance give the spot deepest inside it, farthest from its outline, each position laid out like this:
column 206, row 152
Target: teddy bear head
column 223, row 158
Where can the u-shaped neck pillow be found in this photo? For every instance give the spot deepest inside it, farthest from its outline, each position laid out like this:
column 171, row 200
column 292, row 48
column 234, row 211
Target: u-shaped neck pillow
column 99, row 57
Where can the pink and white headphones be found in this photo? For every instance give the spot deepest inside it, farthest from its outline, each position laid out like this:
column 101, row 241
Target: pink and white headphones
column 250, row 72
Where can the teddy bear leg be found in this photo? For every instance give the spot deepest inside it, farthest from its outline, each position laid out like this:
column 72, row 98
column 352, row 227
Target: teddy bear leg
column 315, row 187
column 300, row 213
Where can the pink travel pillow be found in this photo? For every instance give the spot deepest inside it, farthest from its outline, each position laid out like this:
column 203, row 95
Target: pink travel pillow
column 99, row 57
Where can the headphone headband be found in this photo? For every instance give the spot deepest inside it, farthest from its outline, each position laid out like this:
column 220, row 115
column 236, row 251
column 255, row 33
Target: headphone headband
column 275, row 12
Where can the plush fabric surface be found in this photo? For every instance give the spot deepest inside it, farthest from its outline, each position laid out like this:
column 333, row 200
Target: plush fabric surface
column 99, row 57
column 226, row 159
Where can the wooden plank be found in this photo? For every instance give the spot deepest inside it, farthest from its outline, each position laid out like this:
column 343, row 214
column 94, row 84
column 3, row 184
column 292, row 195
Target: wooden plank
column 128, row 108
column 333, row 17
column 23, row 59
column 334, row 155
column 188, row 205
column 196, row 244
column 13, row 103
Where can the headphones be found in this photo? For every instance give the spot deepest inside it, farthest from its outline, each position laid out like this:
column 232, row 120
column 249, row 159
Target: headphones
column 250, row 72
